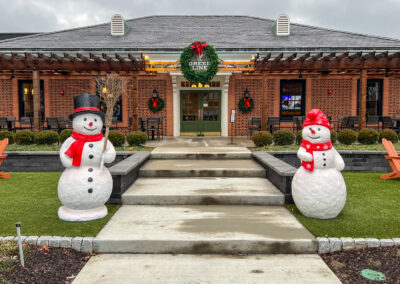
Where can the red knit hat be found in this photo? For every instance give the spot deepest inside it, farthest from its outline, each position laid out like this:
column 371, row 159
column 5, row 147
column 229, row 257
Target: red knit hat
column 316, row 117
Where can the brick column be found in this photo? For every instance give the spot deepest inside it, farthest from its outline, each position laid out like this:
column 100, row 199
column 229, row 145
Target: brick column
column 36, row 101
column 363, row 99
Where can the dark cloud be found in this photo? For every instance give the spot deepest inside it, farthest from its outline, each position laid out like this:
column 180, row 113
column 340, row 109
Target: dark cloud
column 369, row 17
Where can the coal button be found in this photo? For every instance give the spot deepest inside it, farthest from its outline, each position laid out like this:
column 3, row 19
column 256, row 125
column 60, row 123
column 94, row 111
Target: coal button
column 91, row 145
column 324, row 159
column 90, row 190
column 323, row 154
column 90, row 179
column 324, row 165
column 90, row 169
column 91, row 156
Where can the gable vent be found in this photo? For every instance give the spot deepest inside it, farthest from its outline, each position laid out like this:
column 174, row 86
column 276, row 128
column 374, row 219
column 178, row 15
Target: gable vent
column 118, row 26
column 281, row 26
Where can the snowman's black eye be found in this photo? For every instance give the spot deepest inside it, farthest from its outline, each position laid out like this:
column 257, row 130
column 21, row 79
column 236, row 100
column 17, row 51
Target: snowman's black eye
column 95, row 119
column 85, row 119
column 319, row 129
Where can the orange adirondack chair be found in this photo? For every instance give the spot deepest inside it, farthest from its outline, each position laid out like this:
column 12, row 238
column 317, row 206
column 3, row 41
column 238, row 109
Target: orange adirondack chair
column 3, row 146
column 393, row 158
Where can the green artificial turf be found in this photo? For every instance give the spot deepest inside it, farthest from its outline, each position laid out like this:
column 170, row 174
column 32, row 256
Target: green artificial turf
column 35, row 147
column 372, row 209
column 360, row 147
column 31, row 198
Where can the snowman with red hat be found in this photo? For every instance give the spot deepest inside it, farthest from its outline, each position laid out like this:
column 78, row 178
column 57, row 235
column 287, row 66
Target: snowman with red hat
column 85, row 185
column 318, row 187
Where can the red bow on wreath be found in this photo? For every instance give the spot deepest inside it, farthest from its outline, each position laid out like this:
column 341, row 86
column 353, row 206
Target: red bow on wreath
column 154, row 102
column 199, row 47
column 246, row 102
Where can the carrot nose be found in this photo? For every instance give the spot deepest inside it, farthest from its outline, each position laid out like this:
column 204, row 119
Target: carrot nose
column 312, row 131
column 90, row 123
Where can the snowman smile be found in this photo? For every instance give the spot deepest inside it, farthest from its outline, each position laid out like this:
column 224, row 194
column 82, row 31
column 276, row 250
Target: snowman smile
column 90, row 129
column 313, row 137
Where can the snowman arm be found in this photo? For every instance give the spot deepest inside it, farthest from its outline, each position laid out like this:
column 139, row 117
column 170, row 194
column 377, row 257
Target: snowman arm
column 65, row 159
column 339, row 163
column 303, row 155
column 109, row 154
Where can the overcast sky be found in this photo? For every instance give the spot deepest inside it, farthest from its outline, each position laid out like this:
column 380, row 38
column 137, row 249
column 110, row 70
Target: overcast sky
column 375, row 17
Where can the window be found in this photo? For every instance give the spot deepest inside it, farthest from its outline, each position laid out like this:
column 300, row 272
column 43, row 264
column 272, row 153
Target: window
column 117, row 109
column 292, row 98
column 25, row 89
column 374, row 96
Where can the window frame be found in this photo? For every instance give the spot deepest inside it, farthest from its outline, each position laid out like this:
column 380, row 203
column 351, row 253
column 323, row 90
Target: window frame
column 303, row 98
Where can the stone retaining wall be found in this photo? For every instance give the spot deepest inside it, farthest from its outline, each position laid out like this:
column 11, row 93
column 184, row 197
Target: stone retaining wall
column 326, row 245
column 365, row 161
column 83, row 244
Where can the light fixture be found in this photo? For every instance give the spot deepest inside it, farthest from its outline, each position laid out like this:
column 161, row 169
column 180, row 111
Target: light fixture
column 12, row 75
column 200, row 85
column 253, row 58
column 25, row 91
column 146, row 57
column 246, row 94
column 155, row 94
column 104, row 90
column 300, row 75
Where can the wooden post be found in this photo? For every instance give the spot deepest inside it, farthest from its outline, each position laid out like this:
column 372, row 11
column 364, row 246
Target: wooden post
column 362, row 101
column 36, row 101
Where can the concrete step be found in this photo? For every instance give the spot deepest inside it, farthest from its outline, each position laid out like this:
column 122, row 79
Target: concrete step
column 212, row 229
column 201, row 153
column 202, row 168
column 205, row 191
column 221, row 269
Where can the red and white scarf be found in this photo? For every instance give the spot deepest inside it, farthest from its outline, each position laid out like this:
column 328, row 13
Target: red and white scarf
column 310, row 148
column 76, row 148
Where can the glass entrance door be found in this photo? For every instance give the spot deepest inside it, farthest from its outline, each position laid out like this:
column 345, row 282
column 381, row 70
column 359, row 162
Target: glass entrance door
column 200, row 112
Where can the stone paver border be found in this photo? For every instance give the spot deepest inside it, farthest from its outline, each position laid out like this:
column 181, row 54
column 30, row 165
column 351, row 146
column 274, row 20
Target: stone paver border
column 83, row 244
column 327, row 244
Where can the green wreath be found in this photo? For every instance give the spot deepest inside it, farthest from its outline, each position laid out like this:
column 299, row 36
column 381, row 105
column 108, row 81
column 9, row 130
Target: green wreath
column 243, row 108
column 159, row 107
column 199, row 77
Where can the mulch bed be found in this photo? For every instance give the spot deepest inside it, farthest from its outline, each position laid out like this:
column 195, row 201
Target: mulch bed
column 48, row 265
column 347, row 265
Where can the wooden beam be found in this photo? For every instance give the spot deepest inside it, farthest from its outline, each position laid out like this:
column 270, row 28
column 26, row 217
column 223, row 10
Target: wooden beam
column 120, row 58
column 106, row 57
column 266, row 57
column 132, row 58
column 362, row 108
column 291, row 57
column 56, row 57
column 279, row 57
column 95, row 58
column 342, row 56
column 36, row 101
column 317, row 56
column 304, row 57
column 355, row 55
column 329, row 57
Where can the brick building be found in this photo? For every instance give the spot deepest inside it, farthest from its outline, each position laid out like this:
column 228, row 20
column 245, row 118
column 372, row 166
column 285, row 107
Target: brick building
column 286, row 68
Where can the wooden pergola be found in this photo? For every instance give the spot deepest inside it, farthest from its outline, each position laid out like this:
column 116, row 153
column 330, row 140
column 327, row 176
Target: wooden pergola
column 61, row 62
column 360, row 62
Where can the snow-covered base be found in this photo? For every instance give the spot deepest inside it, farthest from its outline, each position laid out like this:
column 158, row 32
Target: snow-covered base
column 71, row 215
column 319, row 194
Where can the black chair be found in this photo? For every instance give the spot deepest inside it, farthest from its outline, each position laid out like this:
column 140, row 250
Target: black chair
column 11, row 123
column 3, row 123
column 298, row 123
column 373, row 122
column 387, row 122
column 153, row 127
column 26, row 122
column 273, row 124
column 253, row 124
column 52, row 124
column 142, row 124
column 352, row 123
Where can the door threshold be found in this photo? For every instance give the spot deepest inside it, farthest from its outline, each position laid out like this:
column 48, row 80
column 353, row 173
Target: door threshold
column 204, row 133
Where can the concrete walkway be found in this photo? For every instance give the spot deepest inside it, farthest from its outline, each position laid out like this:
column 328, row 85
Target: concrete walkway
column 217, row 269
column 217, row 141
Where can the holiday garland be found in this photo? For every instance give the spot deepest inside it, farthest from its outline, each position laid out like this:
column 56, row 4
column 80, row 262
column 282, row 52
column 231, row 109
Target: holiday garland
column 156, row 104
column 196, row 49
column 246, row 105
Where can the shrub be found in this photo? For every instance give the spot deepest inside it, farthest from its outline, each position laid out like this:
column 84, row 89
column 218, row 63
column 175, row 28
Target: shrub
column 283, row 137
column 9, row 135
column 333, row 136
column 347, row 136
column 47, row 137
column 136, row 138
column 262, row 138
column 299, row 137
column 116, row 138
column 64, row 135
column 387, row 134
column 368, row 136
column 24, row 137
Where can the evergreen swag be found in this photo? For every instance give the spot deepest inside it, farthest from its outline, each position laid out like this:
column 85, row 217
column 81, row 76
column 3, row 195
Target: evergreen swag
column 200, row 77
column 243, row 108
column 159, row 107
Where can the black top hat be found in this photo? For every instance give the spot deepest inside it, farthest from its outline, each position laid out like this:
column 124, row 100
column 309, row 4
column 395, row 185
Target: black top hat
column 87, row 103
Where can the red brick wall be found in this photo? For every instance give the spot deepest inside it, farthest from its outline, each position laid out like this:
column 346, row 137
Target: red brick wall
column 146, row 85
column 270, row 97
column 394, row 97
column 255, row 87
column 339, row 102
column 6, row 99
column 64, row 105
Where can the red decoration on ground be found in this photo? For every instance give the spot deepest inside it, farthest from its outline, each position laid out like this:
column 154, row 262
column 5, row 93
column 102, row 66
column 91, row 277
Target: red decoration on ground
column 199, row 47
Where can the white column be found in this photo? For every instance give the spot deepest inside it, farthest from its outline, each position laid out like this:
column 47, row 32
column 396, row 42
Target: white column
column 224, row 106
column 176, row 106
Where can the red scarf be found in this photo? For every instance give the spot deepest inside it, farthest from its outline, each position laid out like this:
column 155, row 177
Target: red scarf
column 76, row 148
column 310, row 148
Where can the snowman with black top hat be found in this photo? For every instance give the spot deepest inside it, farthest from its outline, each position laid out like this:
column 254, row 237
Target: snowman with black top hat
column 85, row 185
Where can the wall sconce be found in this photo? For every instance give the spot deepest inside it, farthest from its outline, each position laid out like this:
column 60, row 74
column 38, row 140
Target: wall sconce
column 246, row 94
column 154, row 94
